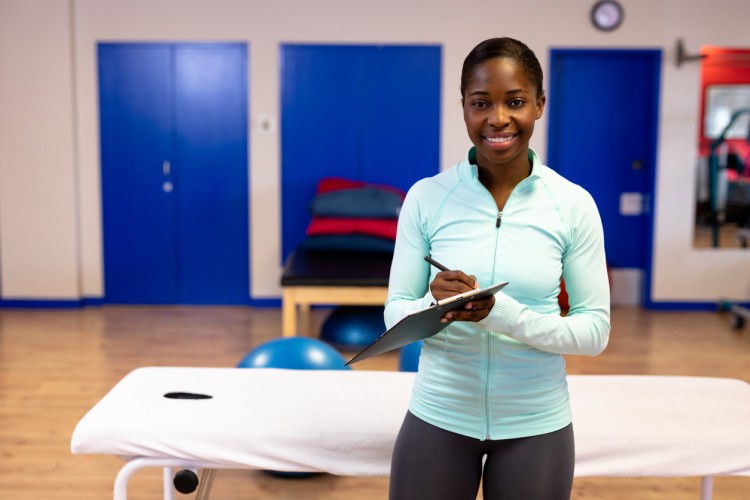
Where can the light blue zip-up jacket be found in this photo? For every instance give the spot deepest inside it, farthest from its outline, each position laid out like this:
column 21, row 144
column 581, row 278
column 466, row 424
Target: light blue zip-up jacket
column 503, row 377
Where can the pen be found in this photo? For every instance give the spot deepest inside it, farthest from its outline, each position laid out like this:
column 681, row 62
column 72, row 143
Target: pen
column 435, row 263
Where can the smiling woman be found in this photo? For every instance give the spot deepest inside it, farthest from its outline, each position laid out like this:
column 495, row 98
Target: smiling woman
column 491, row 387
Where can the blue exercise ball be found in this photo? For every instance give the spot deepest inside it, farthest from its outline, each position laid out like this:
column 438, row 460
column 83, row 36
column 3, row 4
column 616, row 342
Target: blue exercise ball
column 409, row 357
column 353, row 327
column 295, row 353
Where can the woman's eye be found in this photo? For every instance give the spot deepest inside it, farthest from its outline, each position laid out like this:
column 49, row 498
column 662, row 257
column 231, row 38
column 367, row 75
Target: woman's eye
column 479, row 104
column 516, row 103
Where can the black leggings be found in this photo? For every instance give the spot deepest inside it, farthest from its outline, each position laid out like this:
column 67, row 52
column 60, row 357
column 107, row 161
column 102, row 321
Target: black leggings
column 430, row 463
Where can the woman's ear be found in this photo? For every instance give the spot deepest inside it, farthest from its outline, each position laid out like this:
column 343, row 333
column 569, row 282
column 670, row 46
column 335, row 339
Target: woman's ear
column 540, row 102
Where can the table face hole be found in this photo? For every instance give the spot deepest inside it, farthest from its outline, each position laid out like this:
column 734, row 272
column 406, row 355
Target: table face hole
column 186, row 395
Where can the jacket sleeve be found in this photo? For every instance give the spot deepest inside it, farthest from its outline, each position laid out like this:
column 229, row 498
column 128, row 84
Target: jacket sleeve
column 585, row 329
column 408, row 285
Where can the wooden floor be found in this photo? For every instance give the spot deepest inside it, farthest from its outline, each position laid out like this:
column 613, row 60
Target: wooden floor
column 56, row 364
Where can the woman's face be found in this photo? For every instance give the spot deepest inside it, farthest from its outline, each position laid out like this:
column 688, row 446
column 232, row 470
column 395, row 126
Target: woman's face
column 500, row 107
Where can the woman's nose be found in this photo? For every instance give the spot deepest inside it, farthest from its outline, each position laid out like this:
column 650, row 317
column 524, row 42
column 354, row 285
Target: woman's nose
column 499, row 116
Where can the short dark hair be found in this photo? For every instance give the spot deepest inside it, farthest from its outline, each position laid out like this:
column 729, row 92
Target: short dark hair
column 504, row 48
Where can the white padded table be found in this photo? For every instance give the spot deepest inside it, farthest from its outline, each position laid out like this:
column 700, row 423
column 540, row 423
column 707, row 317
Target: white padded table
column 345, row 423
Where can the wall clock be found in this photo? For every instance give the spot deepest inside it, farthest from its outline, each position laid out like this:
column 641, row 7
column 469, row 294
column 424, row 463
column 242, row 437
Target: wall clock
column 606, row 15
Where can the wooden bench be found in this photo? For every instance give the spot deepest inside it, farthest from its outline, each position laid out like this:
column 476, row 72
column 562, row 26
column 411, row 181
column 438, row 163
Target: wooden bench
column 330, row 278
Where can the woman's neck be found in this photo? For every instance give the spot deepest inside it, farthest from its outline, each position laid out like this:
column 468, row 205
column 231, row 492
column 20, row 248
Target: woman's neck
column 501, row 180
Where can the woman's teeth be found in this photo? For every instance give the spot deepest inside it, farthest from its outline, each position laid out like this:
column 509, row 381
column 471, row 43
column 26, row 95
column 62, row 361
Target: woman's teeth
column 499, row 139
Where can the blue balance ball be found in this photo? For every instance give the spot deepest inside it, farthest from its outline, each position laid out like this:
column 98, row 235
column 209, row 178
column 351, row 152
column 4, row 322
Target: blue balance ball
column 294, row 353
column 409, row 357
column 353, row 327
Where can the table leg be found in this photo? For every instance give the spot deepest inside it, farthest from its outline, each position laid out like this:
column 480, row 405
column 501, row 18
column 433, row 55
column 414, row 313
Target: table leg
column 288, row 314
column 707, row 487
column 304, row 319
column 168, row 483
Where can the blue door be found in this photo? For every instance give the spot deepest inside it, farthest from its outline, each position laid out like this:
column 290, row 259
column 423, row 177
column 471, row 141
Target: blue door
column 603, row 115
column 173, row 121
column 369, row 113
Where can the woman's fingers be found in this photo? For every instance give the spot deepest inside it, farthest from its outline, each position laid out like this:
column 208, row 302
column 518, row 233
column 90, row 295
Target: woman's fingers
column 472, row 311
column 449, row 283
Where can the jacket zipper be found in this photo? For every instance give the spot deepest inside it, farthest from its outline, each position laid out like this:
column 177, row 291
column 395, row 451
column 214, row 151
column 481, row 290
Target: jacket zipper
column 488, row 342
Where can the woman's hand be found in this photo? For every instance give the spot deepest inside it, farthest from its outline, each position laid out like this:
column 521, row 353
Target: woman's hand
column 449, row 283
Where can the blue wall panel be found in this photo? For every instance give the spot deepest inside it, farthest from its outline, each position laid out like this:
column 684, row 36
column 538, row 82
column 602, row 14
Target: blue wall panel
column 174, row 115
column 369, row 113
column 400, row 128
column 211, row 165
column 602, row 108
column 138, row 216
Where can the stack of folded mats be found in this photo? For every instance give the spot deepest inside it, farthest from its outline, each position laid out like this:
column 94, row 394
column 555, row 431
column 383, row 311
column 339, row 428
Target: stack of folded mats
column 353, row 216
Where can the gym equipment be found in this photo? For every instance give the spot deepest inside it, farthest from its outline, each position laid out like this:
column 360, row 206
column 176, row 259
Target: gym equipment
column 718, row 200
column 339, row 278
column 353, row 327
column 294, row 353
column 739, row 314
column 345, row 422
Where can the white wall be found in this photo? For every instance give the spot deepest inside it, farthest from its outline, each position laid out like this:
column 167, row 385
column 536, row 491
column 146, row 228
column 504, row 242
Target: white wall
column 51, row 124
column 38, row 207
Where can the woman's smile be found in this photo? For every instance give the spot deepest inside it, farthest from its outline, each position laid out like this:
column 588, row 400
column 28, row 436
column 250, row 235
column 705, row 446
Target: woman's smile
column 499, row 141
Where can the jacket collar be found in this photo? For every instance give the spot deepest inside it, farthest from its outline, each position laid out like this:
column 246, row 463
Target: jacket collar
column 469, row 168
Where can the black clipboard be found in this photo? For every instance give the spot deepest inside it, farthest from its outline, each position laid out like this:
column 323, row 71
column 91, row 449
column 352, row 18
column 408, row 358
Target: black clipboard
column 422, row 324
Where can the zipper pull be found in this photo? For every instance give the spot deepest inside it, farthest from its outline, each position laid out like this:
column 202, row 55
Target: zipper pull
column 499, row 219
